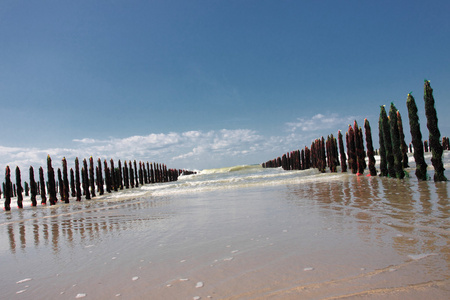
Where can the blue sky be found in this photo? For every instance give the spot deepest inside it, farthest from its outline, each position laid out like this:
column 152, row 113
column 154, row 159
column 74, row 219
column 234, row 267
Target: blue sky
column 204, row 84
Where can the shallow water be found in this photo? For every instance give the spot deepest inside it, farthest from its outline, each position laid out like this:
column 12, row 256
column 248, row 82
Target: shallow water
column 244, row 233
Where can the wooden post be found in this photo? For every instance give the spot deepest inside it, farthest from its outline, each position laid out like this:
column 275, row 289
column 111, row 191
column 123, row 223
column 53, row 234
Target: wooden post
column 7, row 189
column 42, row 186
column 65, row 181
column 33, row 187
column 77, row 180
column 416, row 135
column 51, row 182
column 369, row 145
column 435, row 135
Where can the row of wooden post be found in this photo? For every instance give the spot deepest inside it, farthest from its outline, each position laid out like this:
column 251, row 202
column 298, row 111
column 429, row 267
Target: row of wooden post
column 84, row 182
column 393, row 149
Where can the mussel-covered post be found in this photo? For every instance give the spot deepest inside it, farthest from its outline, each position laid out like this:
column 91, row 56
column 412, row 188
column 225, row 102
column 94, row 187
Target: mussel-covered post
column 51, row 182
column 85, row 177
column 435, row 135
column 359, row 147
column 125, row 175
column 65, row 181
column 402, row 141
column 120, row 176
column 342, row 153
column 369, row 145
column 61, row 184
column 7, row 188
column 77, row 179
column 416, row 135
column 91, row 176
column 72, row 183
column 382, row 150
column 100, row 177
column 396, row 145
column 136, row 177
column 42, row 186
column 19, row 188
column 33, row 187
column 388, row 143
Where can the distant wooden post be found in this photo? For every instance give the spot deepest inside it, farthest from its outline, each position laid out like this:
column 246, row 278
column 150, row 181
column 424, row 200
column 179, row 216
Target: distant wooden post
column 7, row 189
column 65, row 181
column 91, row 176
column 33, row 187
column 42, row 186
column 100, row 177
column 77, row 180
column 51, row 182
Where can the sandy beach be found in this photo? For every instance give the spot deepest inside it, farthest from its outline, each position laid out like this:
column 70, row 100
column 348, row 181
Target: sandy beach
column 320, row 236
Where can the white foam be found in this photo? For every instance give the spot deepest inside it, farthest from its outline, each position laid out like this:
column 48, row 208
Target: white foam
column 308, row 269
column 20, row 292
column 199, row 284
column 420, row 256
column 135, row 278
column 81, row 295
column 23, row 280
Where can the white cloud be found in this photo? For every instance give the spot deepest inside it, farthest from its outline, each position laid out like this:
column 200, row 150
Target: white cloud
column 320, row 122
column 190, row 149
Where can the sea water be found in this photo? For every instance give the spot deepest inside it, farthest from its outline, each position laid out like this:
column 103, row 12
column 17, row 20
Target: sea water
column 242, row 232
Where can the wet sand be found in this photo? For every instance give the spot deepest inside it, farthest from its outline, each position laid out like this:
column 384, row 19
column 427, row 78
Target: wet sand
column 345, row 237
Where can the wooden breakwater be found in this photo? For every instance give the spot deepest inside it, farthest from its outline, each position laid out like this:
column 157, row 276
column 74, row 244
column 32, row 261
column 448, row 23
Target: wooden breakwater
column 88, row 182
column 330, row 153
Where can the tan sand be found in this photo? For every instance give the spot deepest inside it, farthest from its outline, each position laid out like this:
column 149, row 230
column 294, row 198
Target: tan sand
column 345, row 237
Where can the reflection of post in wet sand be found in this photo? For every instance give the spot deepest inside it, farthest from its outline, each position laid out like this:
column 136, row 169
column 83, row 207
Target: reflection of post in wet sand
column 12, row 240
column 442, row 194
column 82, row 225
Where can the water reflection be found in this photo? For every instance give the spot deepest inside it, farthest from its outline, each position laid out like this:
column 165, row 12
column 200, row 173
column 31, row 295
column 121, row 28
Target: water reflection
column 72, row 225
column 410, row 216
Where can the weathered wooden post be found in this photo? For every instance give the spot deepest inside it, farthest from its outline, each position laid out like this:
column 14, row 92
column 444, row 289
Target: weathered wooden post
column 7, row 189
column 77, row 179
column 396, row 145
column 72, row 183
column 145, row 173
column 152, row 173
column 359, row 149
column 125, row 175
column 388, row 143
column 51, row 182
column 342, row 153
column 352, row 158
column 114, row 179
column 435, row 135
column 416, row 135
column 100, row 177
column 402, row 141
column 60, row 184
column 91, row 176
column 107, row 177
column 120, row 176
column 27, row 189
column 131, row 174
column 85, row 177
column 369, row 145
column 136, row 177
column 65, row 181
column 42, row 186
column 33, row 187
column 382, row 150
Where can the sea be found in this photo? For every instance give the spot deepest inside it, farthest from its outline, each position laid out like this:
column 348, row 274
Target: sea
column 240, row 232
